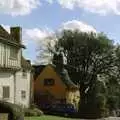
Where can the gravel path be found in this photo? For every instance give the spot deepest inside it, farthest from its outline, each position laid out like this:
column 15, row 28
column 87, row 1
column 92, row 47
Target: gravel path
column 110, row 118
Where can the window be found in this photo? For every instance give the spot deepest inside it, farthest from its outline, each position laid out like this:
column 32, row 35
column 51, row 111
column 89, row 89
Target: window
column 49, row 82
column 23, row 94
column 24, row 73
column 6, row 91
column 13, row 53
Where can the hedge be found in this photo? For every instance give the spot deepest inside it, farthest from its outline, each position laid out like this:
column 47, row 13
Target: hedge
column 14, row 110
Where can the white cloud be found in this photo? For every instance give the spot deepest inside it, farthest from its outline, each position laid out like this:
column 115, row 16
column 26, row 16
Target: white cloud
column 40, row 39
column 37, row 34
column 24, row 7
column 77, row 25
column 102, row 7
column 18, row 7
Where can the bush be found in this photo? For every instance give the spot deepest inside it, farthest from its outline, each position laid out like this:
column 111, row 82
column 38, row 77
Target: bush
column 32, row 112
column 32, row 106
column 14, row 110
column 113, row 102
column 101, row 105
column 94, row 108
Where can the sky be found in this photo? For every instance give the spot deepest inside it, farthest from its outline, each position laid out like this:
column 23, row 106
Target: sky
column 42, row 18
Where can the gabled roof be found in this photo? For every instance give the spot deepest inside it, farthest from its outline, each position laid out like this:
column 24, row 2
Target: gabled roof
column 62, row 74
column 6, row 38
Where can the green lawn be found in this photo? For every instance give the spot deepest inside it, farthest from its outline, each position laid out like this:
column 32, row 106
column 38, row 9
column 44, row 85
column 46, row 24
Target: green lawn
column 48, row 117
column 62, row 118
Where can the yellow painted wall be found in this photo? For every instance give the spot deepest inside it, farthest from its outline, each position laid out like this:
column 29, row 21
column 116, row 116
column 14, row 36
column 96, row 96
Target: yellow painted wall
column 73, row 97
column 58, row 89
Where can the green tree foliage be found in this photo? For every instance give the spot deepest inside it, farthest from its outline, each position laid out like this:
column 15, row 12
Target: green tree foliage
column 88, row 55
column 113, row 82
column 93, row 63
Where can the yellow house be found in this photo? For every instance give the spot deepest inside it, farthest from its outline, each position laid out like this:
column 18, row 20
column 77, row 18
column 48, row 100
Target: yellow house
column 51, row 87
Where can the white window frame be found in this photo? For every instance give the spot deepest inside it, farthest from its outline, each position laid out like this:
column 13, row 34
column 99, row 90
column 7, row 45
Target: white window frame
column 13, row 53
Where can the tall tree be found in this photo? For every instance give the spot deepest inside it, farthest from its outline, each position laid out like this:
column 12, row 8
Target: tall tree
column 88, row 55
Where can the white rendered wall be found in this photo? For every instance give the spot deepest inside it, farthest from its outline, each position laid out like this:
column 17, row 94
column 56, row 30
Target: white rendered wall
column 7, row 79
column 23, row 84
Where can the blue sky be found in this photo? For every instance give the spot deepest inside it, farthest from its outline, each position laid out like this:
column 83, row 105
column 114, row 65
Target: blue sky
column 40, row 18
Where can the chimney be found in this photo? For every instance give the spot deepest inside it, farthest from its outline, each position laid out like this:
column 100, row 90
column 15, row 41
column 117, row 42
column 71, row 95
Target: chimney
column 16, row 34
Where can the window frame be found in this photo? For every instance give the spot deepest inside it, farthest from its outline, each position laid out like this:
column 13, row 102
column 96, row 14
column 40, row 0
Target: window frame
column 23, row 94
column 48, row 83
column 13, row 53
column 6, row 92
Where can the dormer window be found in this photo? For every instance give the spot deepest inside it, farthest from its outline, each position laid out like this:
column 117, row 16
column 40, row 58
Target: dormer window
column 13, row 53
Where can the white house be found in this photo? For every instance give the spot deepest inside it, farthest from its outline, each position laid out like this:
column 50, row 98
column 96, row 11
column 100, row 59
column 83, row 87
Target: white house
column 15, row 71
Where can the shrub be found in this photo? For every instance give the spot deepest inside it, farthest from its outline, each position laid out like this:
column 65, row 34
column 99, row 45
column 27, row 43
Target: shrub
column 32, row 106
column 94, row 108
column 102, row 109
column 14, row 110
column 112, row 102
column 32, row 112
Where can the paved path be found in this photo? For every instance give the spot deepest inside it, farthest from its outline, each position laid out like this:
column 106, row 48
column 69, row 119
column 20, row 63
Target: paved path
column 110, row 118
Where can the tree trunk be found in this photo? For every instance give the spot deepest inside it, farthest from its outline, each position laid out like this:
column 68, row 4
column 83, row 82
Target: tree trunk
column 87, row 106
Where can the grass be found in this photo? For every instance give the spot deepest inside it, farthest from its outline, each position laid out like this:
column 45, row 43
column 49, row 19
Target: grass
column 48, row 117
